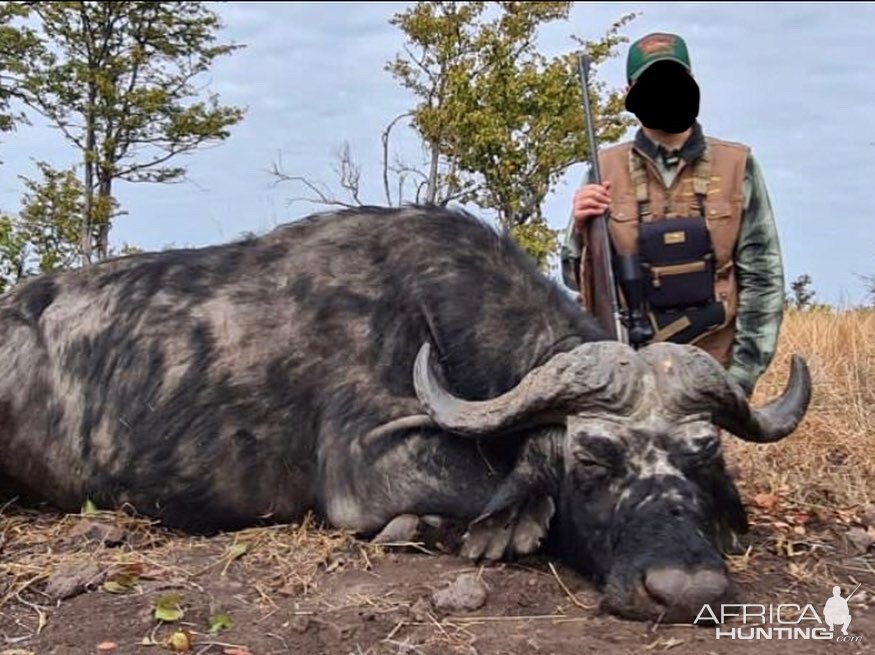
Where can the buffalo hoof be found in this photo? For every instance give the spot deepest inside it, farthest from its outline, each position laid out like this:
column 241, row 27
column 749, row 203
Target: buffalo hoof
column 515, row 531
column 402, row 528
column 406, row 528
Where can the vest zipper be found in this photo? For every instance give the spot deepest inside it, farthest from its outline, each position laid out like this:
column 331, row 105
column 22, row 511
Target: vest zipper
column 675, row 269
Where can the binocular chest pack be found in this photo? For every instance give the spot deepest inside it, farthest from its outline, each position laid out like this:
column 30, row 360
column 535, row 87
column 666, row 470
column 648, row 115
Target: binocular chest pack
column 676, row 267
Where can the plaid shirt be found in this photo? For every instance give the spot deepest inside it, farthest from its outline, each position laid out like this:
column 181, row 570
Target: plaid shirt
column 758, row 263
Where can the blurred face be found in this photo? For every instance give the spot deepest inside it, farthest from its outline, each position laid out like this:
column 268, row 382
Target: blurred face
column 665, row 98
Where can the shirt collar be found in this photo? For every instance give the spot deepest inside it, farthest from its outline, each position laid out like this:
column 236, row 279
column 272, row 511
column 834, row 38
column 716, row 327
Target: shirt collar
column 692, row 148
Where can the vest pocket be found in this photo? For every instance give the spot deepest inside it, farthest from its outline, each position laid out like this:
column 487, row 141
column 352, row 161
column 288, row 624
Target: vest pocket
column 680, row 284
column 719, row 216
column 624, row 210
column 677, row 262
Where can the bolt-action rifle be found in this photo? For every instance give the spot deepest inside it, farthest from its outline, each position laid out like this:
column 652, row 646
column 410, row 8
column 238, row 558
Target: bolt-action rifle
column 630, row 326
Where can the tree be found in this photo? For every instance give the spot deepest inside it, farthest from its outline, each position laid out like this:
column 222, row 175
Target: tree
column 507, row 116
column 803, row 294
column 45, row 235
column 18, row 46
column 117, row 79
column 499, row 122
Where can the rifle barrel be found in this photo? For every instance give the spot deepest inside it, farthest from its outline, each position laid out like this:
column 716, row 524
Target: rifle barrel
column 606, row 309
column 583, row 63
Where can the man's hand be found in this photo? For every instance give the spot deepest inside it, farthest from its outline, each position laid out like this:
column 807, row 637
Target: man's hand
column 590, row 200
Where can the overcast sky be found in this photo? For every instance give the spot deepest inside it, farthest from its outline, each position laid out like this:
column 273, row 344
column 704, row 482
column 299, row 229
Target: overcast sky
column 794, row 81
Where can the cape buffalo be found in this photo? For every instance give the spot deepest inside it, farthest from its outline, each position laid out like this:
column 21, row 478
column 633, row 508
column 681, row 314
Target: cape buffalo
column 378, row 366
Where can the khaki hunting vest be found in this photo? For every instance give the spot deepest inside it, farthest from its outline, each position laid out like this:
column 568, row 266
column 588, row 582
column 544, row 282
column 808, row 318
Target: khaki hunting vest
column 722, row 173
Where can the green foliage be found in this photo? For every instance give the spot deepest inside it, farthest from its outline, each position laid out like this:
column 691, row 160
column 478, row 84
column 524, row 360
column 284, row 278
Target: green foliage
column 45, row 236
column 536, row 238
column 503, row 121
column 18, row 46
column 120, row 81
column 13, row 252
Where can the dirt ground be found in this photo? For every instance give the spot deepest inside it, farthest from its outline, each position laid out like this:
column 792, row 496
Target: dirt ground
column 96, row 583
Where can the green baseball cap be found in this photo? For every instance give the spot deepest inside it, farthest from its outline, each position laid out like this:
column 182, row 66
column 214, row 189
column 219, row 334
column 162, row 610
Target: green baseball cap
column 655, row 47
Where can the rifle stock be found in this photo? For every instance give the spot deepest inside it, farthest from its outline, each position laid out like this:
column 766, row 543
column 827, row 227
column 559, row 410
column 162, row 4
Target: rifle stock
column 605, row 304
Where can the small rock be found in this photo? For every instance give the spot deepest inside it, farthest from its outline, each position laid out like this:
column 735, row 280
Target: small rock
column 420, row 610
column 465, row 593
column 860, row 539
column 109, row 535
column 299, row 624
column 71, row 579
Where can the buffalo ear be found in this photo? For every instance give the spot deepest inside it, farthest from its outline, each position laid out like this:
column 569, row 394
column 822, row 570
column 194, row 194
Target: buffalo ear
column 535, row 473
column 727, row 506
column 521, row 509
column 515, row 491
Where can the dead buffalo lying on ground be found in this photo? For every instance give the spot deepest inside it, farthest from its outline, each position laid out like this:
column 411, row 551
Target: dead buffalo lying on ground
column 377, row 366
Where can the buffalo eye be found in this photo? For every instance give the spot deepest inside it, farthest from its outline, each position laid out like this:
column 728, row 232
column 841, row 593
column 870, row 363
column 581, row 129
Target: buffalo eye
column 589, row 468
column 702, row 451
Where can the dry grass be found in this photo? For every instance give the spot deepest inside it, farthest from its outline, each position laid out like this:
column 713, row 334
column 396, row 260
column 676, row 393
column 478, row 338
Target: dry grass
column 830, row 460
column 37, row 545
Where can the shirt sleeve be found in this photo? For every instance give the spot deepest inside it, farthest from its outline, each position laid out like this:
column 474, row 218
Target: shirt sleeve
column 573, row 248
column 760, row 275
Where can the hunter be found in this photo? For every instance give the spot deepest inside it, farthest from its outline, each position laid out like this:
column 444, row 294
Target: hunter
column 712, row 275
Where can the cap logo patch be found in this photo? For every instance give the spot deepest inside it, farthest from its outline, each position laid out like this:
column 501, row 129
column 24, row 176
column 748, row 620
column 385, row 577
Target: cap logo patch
column 656, row 44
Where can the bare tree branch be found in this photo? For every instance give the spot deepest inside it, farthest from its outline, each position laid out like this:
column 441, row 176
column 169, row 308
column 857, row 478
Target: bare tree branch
column 385, row 140
column 322, row 196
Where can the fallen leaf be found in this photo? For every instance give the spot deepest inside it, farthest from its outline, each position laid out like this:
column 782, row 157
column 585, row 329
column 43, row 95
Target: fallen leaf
column 179, row 642
column 167, row 609
column 119, row 585
column 219, row 622
column 801, row 518
column 766, row 501
column 104, row 646
column 237, row 551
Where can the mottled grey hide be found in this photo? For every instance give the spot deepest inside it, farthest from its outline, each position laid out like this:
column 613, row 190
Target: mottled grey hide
column 378, row 367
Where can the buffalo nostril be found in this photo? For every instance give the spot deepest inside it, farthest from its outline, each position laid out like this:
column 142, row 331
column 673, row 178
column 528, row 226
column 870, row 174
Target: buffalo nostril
column 707, row 586
column 676, row 588
column 666, row 585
